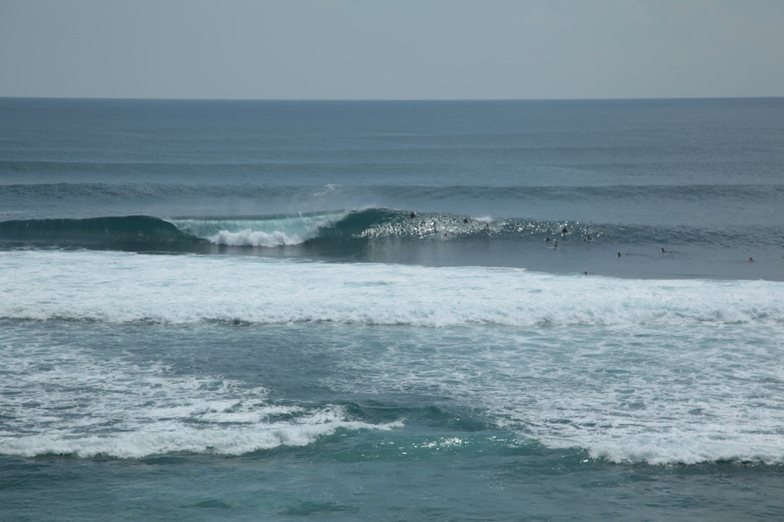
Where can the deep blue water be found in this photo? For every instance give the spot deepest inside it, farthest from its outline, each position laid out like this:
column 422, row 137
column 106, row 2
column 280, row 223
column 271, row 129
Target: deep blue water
column 391, row 310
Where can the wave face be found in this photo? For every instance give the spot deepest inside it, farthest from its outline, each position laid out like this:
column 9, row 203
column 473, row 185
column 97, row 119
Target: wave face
column 138, row 232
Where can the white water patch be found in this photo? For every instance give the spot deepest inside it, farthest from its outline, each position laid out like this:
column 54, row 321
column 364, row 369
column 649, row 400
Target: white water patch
column 663, row 396
column 122, row 287
column 60, row 400
column 255, row 238
column 632, row 393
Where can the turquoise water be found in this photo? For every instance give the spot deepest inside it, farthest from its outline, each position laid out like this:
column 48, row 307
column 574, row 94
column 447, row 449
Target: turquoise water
column 391, row 310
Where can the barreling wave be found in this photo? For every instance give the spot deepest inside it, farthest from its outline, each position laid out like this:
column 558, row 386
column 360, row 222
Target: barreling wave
column 367, row 225
column 336, row 227
column 382, row 235
column 149, row 233
column 261, row 231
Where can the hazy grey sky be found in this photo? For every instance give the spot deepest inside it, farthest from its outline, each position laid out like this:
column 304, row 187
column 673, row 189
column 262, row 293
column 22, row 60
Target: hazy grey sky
column 401, row 49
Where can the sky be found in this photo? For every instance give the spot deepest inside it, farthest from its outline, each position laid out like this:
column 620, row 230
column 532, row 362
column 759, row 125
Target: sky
column 394, row 49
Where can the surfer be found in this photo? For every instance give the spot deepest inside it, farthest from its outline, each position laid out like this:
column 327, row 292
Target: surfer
column 666, row 251
column 413, row 215
column 751, row 260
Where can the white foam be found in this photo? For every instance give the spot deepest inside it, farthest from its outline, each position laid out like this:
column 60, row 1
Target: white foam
column 656, row 371
column 255, row 238
column 59, row 400
column 626, row 393
column 122, row 287
column 270, row 232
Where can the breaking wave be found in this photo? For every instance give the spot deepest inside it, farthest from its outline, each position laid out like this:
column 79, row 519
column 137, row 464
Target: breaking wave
column 338, row 227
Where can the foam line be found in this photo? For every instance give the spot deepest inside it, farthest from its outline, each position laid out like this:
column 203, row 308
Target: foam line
column 118, row 287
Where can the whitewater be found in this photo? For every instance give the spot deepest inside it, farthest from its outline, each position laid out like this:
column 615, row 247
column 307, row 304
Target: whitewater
column 123, row 287
column 704, row 392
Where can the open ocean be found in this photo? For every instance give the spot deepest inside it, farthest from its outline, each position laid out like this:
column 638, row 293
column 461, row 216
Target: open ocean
column 513, row 310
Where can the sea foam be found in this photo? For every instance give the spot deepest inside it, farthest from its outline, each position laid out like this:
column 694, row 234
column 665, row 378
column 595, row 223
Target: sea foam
column 62, row 400
column 121, row 287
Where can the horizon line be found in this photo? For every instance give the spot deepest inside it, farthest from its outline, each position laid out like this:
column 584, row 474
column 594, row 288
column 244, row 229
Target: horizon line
column 145, row 98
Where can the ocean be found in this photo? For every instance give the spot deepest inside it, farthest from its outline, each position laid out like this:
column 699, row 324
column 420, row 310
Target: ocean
column 403, row 310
